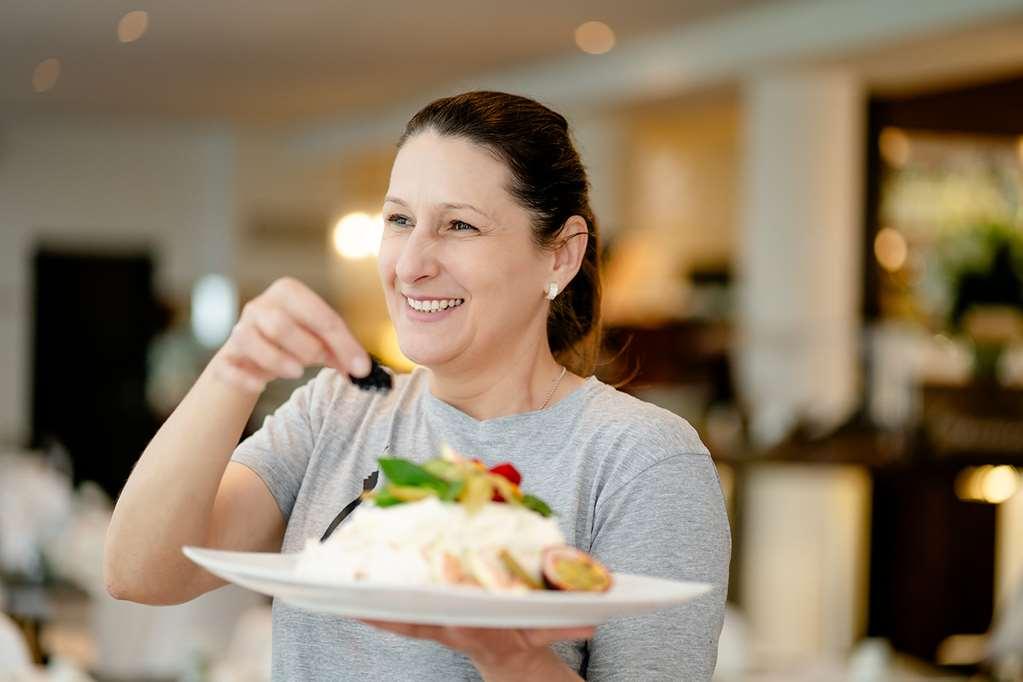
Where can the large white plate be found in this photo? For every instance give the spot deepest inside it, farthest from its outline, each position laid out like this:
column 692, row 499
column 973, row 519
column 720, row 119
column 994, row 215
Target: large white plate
column 273, row 574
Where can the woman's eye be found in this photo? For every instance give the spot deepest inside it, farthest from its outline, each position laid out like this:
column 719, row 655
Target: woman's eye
column 460, row 226
column 398, row 220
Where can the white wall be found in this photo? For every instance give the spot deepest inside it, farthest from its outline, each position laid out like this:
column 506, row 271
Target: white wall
column 799, row 249
column 105, row 187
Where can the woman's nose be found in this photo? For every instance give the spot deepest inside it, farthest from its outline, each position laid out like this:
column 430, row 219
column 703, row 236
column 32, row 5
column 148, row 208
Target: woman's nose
column 417, row 258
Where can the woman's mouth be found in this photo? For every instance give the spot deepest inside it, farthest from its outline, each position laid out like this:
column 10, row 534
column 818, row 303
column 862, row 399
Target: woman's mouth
column 430, row 307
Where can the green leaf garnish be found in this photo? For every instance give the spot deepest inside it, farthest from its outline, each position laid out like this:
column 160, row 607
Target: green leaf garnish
column 404, row 472
column 462, row 481
column 536, row 504
column 385, row 499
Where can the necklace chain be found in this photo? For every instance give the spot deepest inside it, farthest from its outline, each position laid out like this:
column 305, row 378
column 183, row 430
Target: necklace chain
column 557, row 383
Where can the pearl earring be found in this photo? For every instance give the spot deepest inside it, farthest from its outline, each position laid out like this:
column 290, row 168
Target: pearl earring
column 552, row 291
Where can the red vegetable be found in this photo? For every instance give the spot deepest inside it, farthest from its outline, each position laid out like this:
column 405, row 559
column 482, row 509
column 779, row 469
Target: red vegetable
column 507, row 471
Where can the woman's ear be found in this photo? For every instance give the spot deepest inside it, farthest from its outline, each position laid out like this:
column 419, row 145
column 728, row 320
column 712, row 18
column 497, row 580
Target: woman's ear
column 570, row 250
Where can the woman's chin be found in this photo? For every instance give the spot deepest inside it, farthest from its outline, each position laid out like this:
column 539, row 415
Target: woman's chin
column 426, row 357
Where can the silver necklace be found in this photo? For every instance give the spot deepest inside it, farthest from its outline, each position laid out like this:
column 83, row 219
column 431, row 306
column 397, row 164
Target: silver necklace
column 554, row 387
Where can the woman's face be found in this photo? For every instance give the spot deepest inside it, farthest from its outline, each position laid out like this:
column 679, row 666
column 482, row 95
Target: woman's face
column 455, row 240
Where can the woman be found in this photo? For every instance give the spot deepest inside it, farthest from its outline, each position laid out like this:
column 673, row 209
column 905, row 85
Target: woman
column 489, row 266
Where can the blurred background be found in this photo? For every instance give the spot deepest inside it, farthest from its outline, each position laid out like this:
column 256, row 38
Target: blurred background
column 813, row 235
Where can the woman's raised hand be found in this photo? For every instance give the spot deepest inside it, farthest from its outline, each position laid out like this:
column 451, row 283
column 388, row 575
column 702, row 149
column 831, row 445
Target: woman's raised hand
column 280, row 333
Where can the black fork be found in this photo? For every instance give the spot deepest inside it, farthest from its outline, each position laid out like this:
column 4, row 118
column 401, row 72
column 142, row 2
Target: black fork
column 378, row 379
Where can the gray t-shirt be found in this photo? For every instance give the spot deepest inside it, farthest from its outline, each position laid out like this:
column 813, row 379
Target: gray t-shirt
column 629, row 481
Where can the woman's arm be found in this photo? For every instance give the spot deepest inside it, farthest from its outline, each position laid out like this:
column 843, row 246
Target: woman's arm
column 182, row 490
column 169, row 498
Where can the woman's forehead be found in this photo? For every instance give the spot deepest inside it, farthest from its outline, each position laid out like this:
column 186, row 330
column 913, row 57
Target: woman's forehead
column 431, row 169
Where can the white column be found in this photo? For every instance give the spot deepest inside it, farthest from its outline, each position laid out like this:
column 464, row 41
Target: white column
column 799, row 254
column 598, row 138
column 805, row 561
column 1009, row 549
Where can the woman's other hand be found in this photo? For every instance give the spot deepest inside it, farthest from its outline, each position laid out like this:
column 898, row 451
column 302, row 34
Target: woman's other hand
column 499, row 653
column 281, row 332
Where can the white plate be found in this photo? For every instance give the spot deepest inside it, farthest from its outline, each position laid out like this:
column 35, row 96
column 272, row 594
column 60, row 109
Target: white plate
column 273, row 574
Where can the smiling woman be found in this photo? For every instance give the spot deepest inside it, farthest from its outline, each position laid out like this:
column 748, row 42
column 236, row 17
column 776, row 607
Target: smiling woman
column 489, row 266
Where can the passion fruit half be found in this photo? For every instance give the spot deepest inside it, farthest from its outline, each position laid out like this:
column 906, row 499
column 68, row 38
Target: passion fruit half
column 567, row 568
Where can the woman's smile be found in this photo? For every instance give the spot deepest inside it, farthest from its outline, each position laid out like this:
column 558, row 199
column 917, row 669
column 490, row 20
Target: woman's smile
column 431, row 309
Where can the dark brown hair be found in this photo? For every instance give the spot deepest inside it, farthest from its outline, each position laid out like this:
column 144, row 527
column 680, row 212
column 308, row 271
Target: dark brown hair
column 549, row 180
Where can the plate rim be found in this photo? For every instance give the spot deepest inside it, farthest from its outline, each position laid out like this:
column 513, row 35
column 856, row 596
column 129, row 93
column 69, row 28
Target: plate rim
column 692, row 589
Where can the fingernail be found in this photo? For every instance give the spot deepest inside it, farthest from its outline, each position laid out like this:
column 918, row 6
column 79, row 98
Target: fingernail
column 360, row 366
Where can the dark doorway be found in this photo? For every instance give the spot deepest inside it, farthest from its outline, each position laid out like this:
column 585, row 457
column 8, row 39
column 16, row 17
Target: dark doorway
column 94, row 318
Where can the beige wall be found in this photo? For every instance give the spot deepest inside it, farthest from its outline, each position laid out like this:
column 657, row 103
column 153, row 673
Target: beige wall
column 680, row 203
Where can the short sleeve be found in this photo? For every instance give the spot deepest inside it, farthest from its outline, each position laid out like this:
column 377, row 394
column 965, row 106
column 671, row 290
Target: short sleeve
column 668, row 521
column 279, row 451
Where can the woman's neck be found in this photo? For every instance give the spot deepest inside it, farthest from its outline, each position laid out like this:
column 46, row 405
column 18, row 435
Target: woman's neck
column 512, row 386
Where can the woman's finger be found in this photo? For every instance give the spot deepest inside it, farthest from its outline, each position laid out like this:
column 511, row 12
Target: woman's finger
column 313, row 312
column 545, row 637
column 289, row 334
column 414, row 630
column 269, row 357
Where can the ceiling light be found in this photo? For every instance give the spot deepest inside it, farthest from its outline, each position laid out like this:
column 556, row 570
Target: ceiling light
column 357, row 235
column 46, row 74
column 594, row 37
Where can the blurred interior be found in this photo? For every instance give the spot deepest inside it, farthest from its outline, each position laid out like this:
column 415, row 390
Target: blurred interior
column 813, row 251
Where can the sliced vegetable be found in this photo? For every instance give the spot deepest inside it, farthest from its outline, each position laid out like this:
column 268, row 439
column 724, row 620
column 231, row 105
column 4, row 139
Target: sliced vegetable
column 476, row 493
column 515, row 568
column 505, row 490
column 408, row 493
column 491, row 572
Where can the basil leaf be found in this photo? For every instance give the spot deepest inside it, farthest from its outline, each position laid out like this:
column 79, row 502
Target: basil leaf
column 446, row 470
column 537, row 505
column 405, row 473
column 385, row 499
column 453, row 491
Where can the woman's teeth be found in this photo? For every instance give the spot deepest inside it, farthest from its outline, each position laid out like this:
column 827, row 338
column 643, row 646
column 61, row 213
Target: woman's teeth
column 434, row 305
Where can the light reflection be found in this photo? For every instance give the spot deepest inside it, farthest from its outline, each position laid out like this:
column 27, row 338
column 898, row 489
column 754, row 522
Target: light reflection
column 990, row 484
column 895, row 147
column 890, row 249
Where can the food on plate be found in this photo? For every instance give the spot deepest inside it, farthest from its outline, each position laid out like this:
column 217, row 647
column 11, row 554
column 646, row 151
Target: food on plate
column 452, row 521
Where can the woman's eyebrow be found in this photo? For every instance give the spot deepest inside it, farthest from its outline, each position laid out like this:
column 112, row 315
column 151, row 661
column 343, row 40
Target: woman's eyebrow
column 402, row 202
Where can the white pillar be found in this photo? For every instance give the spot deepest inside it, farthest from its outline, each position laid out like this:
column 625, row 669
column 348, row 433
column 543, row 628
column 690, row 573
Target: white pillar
column 805, row 560
column 799, row 254
column 598, row 138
